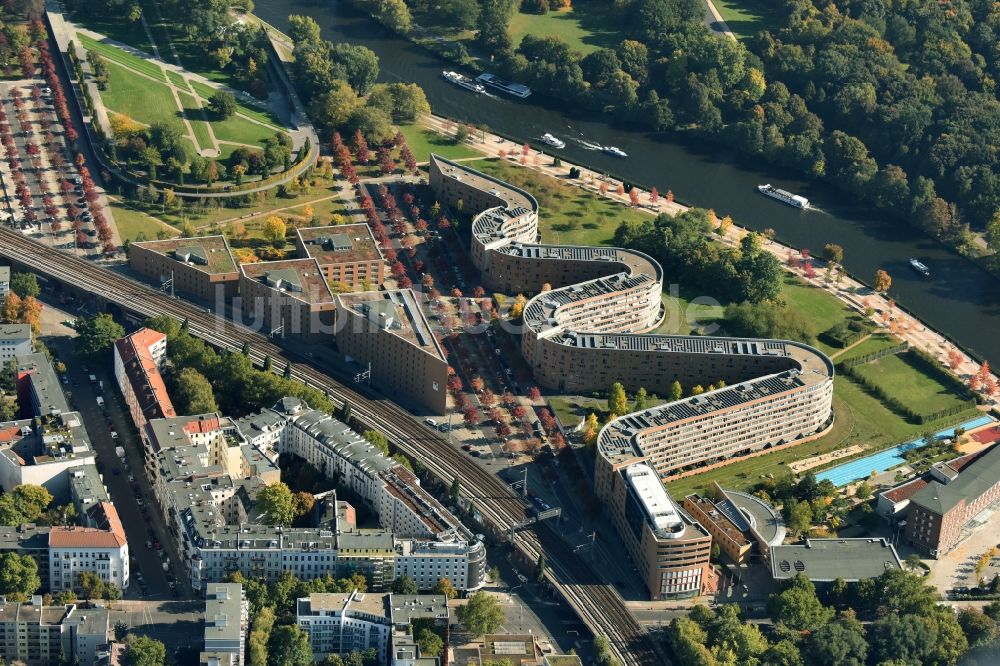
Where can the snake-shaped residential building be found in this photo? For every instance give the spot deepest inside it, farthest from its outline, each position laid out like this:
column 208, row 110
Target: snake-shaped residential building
column 591, row 329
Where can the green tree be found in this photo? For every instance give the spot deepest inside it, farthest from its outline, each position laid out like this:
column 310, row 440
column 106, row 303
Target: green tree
column 430, row 643
column 864, row 491
column 303, row 30
column 259, row 637
column 289, row 646
column 840, row 643
column 97, row 334
column 394, row 14
column 782, row 653
column 120, row 630
column 641, row 400
column 768, row 320
column 617, row 400
column 481, row 615
column 144, row 651
column 18, row 576
column 30, row 501
column 356, row 64
column 25, row 284
column 334, row 106
column 833, row 253
column 992, row 234
column 374, row 123
column 276, row 504
column 798, row 607
column 979, row 628
column 540, row 568
column 899, row 592
column 676, row 391
column 378, row 440
column 405, row 585
column 799, row 517
column 222, row 104
column 456, row 489
column 193, row 393
column 91, row 586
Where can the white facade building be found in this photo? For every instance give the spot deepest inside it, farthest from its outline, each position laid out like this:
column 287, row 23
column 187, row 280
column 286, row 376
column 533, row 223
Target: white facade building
column 73, row 550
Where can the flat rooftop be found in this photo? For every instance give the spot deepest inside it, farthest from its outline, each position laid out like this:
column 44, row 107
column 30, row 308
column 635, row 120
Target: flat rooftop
column 209, row 254
column 343, row 244
column 15, row 332
column 301, row 279
column 972, row 482
column 825, row 560
column 44, row 383
column 807, row 366
column 660, row 510
column 396, row 311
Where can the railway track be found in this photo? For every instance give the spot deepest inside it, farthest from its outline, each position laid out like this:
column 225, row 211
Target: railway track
column 599, row 605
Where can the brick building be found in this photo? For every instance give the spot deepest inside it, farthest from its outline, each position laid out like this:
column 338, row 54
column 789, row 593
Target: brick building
column 292, row 295
column 388, row 330
column 347, row 253
column 203, row 267
column 669, row 548
column 943, row 512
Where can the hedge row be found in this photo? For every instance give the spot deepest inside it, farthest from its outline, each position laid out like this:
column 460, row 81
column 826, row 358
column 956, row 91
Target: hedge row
column 845, row 333
column 873, row 356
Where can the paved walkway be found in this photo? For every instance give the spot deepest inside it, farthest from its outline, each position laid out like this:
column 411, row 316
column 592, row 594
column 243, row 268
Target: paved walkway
column 855, row 295
column 715, row 22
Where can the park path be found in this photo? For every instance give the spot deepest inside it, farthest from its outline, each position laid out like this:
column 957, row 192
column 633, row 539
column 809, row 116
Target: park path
column 715, row 22
column 834, row 356
column 187, row 77
column 213, row 150
column 856, row 296
column 175, row 91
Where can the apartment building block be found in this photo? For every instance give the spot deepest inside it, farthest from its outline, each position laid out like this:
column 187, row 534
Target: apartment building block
column 203, row 267
column 291, row 296
column 347, row 254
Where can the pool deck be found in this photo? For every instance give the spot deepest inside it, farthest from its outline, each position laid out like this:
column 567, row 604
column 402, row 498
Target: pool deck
column 886, row 460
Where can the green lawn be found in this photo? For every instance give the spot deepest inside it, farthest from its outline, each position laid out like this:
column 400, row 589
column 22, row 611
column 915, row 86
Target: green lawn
column 140, row 99
column 586, row 27
column 206, row 91
column 116, row 29
column 920, row 392
column 131, row 223
column 684, row 317
column 748, row 17
column 116, row 55
column 194, row 115
column 423, row 142
column 241, row 130
column 177, row 79
column 820, row 307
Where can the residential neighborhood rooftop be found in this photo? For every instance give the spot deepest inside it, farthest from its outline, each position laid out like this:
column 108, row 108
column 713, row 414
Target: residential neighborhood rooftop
column 301, row 279
column 209, row 254
column 345, row 243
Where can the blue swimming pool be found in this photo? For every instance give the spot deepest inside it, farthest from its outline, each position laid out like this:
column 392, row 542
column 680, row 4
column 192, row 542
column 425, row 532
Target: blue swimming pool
column 885, row 460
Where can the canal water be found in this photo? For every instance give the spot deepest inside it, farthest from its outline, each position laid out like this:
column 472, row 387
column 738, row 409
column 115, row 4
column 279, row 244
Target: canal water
column 958, row 299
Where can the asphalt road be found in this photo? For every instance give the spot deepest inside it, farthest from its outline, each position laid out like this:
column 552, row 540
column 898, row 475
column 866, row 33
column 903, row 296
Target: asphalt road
column 140, row 523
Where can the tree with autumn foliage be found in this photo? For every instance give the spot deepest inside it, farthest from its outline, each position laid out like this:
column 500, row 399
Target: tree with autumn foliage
column 882, row 281
column 955, row 359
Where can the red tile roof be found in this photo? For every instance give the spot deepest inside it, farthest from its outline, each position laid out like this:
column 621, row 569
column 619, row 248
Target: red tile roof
column 905, row 491
column 201, row 425
column 143, row 375
column 10, row 434
column 87, row 537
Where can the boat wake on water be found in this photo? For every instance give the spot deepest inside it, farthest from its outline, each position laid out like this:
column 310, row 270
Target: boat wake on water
column 589, row 145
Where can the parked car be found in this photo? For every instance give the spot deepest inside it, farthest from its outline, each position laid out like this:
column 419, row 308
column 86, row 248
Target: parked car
column 431, row 422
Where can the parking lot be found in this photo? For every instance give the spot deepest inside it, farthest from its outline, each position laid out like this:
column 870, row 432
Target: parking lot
column 46, row 192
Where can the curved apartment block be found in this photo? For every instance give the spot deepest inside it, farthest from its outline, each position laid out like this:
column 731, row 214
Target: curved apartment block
column 587, row 332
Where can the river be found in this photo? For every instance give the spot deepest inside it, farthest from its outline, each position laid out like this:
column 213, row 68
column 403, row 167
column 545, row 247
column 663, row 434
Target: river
column 959, row 299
